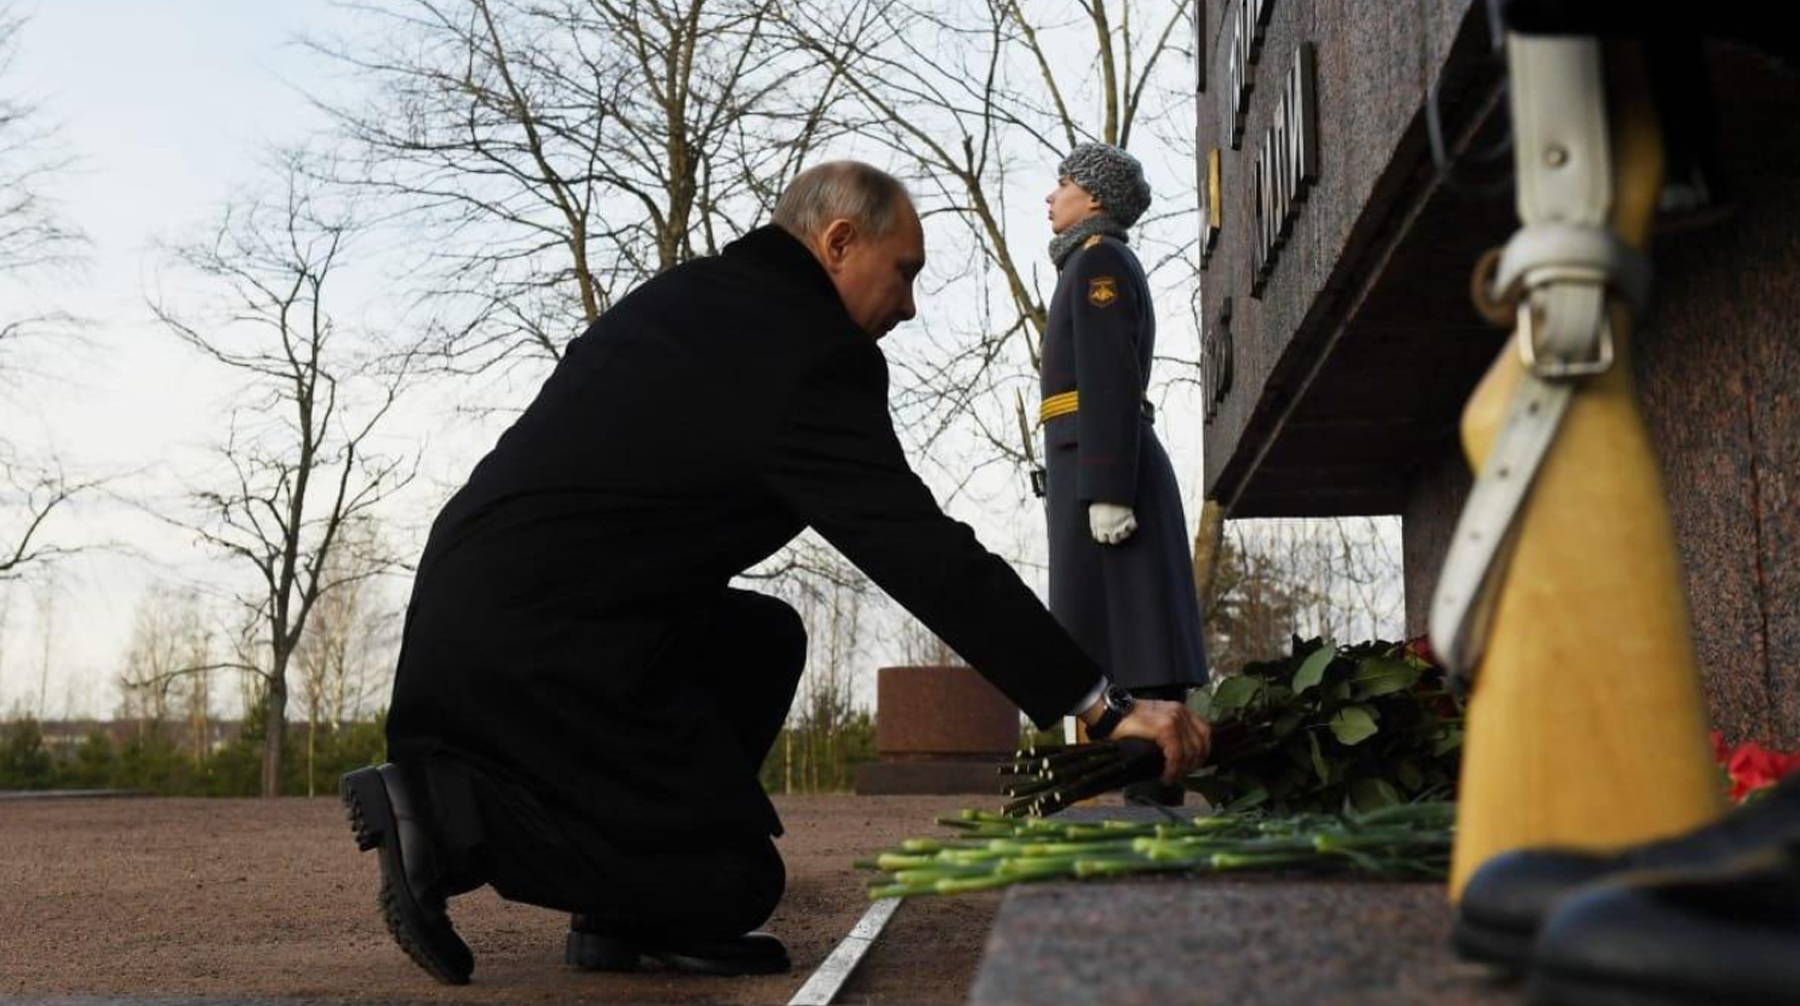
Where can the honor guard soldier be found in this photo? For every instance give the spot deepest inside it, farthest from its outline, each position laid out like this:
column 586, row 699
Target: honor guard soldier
column 1121, row 576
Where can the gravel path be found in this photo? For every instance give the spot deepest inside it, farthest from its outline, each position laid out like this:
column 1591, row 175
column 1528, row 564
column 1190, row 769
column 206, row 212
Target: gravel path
column 247, row 899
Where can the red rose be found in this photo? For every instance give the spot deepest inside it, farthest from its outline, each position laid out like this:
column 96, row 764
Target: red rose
column 1419, row 647
column 1752, row 767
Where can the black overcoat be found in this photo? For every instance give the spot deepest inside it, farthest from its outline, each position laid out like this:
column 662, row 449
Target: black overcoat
column 698, row 425
column 1132, row 606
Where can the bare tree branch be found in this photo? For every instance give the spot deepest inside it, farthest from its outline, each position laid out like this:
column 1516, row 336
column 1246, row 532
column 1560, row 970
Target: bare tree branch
column 303, row 483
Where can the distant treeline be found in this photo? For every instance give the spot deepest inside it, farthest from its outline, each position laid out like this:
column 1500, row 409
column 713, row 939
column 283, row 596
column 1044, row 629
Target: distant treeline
column 820, row 757
column 155, row 757
column 158, row 757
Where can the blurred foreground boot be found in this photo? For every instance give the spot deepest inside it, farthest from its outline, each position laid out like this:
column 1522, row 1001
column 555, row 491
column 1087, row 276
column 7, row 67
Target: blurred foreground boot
column 1509, row 897
column 755, row 953
column 1720, row 934
column 387, row 816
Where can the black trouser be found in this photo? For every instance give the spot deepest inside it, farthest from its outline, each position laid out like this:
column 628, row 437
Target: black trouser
column 497, row 830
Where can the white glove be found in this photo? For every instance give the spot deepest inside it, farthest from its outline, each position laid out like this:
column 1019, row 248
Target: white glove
column 1110, row 523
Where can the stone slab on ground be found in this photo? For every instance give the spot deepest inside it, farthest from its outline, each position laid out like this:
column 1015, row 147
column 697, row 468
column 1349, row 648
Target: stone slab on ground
column 1243, row 941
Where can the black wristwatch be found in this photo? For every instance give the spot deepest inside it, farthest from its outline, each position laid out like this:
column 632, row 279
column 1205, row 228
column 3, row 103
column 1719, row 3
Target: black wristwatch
column 1118, row 703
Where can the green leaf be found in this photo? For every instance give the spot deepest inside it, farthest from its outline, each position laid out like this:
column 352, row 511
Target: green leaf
column 1251, row 799
column 1318, row 758
column 1234, row 694
column 1312, row 671
column 1200, row 701
column 1354, row 724
column 1451, row 740
column 1409, row 775
column 1383, row 676
column 1284, row 725
column 1371, row 793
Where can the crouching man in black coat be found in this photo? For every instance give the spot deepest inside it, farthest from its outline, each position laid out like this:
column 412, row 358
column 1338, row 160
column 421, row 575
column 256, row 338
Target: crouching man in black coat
column 582, row 703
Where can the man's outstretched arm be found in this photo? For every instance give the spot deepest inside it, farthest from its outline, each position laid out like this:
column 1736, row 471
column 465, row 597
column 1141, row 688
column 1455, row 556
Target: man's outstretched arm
column 837, row 462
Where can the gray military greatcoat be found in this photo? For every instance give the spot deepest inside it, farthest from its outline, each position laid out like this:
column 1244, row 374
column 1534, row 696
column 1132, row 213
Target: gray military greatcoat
column 1131, row 606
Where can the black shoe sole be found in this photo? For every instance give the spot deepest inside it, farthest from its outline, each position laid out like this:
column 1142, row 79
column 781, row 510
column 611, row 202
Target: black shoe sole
column 597, row 952
column 371, row 817
column 1506, row 949
column 1547, row 988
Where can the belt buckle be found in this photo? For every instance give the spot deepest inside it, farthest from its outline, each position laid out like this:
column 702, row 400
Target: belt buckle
column 1553, row 369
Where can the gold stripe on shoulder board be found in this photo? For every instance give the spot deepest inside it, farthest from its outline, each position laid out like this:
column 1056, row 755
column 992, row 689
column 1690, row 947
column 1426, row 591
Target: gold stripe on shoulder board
column 1093, row 240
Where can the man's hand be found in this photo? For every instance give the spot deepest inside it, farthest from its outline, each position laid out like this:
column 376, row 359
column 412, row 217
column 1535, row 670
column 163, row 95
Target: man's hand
column 1110, row 523
column 1185, row 739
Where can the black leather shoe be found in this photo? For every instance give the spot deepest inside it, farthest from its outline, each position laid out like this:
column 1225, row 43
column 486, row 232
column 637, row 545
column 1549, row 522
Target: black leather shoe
column 384, row 816
column 1507, row 899
column 1724, row 934
column 755, row 953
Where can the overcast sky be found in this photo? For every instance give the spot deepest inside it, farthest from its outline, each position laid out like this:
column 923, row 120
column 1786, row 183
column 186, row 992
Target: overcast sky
column 167, row 107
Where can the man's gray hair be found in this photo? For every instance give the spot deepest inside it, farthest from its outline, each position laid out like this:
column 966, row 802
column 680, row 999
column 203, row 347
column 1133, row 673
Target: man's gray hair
column 865, row 195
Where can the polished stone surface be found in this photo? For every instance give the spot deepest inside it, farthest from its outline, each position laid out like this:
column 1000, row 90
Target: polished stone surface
column 1351, row 369
column 1719, row 370
column 1240, row 941
column 928, row 776
column 1345, row 366
column 942, row 711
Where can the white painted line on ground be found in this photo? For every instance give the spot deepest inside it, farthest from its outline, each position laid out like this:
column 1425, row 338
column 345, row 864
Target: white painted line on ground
column 835, row 970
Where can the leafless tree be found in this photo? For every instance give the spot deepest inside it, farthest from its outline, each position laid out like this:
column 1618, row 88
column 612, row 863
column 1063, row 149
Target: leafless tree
column 556, row 154
column 920, row 647
column 31, row 497
column 1275, row 579
column 36, row 240
column 298, row 468
column 346, row 651
column 560, row 152
column 979, row 101
column 167, row 666
column 825, row 706
column 34, row 235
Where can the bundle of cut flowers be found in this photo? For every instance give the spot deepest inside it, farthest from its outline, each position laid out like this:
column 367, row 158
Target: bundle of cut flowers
column 1326, row 729
column 989, row 850
column 1750, row 769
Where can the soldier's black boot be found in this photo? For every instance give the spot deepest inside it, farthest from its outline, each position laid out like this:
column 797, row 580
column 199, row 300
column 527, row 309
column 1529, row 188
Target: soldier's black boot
column 591, row 949
column 387, row 816
column 1721, row 934
column 1508, row 898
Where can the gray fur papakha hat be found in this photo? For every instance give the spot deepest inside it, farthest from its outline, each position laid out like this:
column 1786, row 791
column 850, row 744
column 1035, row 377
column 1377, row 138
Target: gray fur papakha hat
column 1110, row 175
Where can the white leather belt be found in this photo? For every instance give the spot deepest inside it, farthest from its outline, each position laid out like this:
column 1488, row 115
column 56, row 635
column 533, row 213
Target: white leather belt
column 1562, row 268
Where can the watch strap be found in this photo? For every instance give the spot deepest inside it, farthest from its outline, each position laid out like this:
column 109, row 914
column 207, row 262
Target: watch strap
column 1106, row 724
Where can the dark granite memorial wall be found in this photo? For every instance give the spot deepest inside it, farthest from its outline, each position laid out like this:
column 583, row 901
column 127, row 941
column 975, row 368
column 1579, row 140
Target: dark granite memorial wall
column 1350, row 368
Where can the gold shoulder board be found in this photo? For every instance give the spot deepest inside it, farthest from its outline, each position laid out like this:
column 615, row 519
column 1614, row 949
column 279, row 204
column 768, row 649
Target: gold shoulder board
column 1092, row 241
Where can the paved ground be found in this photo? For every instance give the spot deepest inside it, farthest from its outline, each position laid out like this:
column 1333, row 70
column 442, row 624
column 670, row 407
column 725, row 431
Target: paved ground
column 269, row 899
